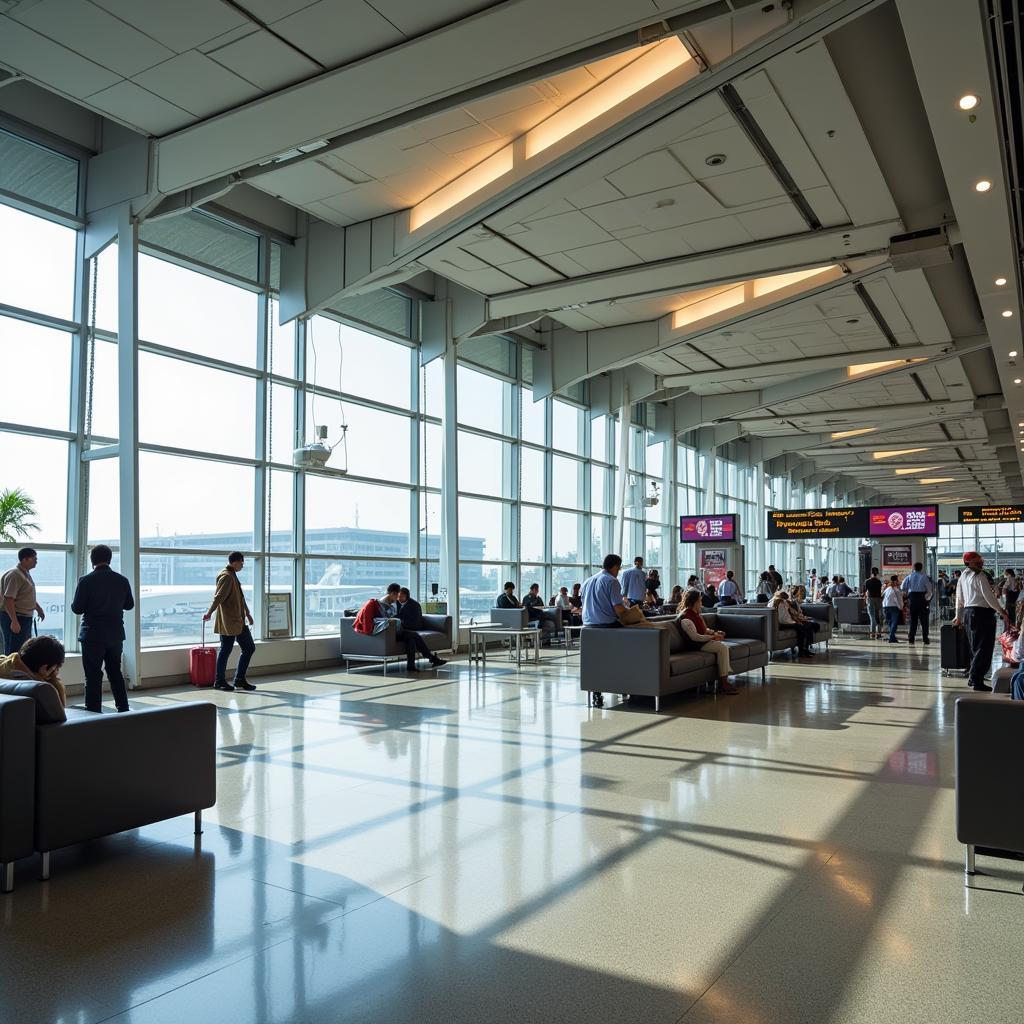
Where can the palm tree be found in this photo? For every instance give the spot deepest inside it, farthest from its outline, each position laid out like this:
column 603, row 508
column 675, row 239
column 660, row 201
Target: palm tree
column 17, row 515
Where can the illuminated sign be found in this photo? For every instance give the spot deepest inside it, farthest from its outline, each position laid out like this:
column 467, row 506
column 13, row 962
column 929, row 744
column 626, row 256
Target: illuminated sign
column 817, row 522
column 904, row 519
column 694, row 529
column 991, row 514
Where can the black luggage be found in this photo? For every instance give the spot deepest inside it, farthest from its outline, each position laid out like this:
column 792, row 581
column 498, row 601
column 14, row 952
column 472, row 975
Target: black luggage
column 954, row 651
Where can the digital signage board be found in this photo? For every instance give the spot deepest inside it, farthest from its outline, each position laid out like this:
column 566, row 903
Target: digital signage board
column 991, row 514
column 904, row 520
column 695, row 529
column 817, row 522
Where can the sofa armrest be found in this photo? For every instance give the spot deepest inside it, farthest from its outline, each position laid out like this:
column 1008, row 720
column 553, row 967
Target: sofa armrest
column 375, row 645
column 745, row 627
column 101, row 774
column 17, row 776
column 989, row 761
column 624, row 660
column 513, row 618
column 440, row 623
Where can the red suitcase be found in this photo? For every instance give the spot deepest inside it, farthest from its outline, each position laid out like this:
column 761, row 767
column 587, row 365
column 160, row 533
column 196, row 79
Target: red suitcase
column 202, row 663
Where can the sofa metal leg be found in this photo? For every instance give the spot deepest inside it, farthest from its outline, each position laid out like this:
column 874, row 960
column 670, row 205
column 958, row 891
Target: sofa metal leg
column 763, row 679
column 199, row 823
column 44, row 872
column 7, row 876
column 657, row 703
column 969, row 865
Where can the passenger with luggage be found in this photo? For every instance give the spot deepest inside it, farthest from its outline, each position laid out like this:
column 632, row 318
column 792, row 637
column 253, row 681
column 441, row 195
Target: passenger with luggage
column 101, row 598
column 233, row 621
column 976, row 609
column 892, row 605
column 18, row 593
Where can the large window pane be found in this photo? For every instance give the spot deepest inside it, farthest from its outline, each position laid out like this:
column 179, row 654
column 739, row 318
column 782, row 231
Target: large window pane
column 37, row 264
column 377, row 444
column 281, row 423
column 346, row 359
column 598, row 489
column 282, row 510
column 334, row 586
column 104, row 516
column 481, row 400
column 600, row 538
column 38, row 466
column 50, row 589
column 281, row 347
column 182, row 405
column 479, row 586
column 193, row 503
column 30, row 349
column 566, row 482
column 566, row 576
column 483, row 529
column 531, row 522
column 175, row 591
column 531, row 481
column 565, row 537
column 532, row 414
column 347, row 518
column 566, row 427
column 482, row 464
column 184, row 309
column 599, row 438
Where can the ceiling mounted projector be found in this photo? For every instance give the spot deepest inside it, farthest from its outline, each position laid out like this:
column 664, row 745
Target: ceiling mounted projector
column 317, row 454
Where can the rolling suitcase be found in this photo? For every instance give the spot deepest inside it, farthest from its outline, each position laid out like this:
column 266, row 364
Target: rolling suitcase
column 202, row 663
column 954, row 652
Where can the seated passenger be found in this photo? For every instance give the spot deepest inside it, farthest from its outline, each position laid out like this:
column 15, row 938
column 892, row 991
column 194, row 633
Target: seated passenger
column 696, row 634
column 603, row 605
column 653, row 585
column 693, row 583
column 562, row 601
column 729, row 590
column 676, row 596
column 765, row 588
column 787, row 620
column 372, row 617
column 709, row 598
column 40, row 659
column 534, row 603
column 410, row 615
column 507, row 598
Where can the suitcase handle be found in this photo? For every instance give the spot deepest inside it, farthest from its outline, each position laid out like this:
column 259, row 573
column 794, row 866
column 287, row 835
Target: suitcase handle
column 202, row 643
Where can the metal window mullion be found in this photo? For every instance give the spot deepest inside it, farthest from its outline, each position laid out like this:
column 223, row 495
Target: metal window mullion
column 262, row 475
column 299, row 484
column 416, row 495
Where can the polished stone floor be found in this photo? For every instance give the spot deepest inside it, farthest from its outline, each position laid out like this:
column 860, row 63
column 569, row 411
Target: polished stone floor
column 466, row 847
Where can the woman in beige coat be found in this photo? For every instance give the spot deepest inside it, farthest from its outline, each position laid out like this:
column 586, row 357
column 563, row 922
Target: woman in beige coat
column 233, row 621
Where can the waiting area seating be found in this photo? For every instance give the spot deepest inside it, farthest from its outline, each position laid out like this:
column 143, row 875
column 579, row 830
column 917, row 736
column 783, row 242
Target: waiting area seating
column 385, row 646
column 63, row 777
column 655, row 663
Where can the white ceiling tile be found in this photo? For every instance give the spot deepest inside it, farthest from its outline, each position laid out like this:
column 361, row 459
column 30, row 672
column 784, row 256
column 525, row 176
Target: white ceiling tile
column 530, row 272
column 658, row 245
column 596, row 192
column 560, row 233
column 466, row 138
column 414, row 185
column 826, row 206
column 562, row 206
column 376, row 159
column 193, row 81
column 443, row 123
column 365, row 201
column 265, row 61
column 772, row 221
column 603, row 256
column 732, row 143
column 141, row 109
column 336, row 32
column 518, row 122
column 415, row 17
column 504, row 102
column 650, row 173
column 711, row 235
column 180, row 25
column 270, row 11
column 742, row 188
column 25, row 50
column 95, row 34
column 304, row 182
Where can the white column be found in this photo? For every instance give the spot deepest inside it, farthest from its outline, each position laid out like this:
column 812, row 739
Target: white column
column 449, row 558
column 128, row 428
column 625, row 415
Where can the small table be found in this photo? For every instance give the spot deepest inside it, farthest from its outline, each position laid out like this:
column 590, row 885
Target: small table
column 479, row 635
column 570, row 632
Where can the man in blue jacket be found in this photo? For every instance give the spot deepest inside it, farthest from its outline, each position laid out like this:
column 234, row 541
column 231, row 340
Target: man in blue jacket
column 101, row 598
column 410, row 614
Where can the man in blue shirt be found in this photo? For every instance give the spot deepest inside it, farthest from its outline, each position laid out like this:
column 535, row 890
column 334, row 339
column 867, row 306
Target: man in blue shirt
column 602, row 596
column 919, row 589
column 634, row 582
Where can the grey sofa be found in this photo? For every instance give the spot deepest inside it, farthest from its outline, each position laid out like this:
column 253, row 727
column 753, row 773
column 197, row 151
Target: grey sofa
column 851, row 611
column 64, row 782
column 654, row 662
column 779, row 637
column 1001, row 679
column 386, row 646
column 825, row 615
column 987, row 733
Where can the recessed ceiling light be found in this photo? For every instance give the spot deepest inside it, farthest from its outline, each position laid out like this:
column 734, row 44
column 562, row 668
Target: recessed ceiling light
column 968, row 101
column 1000, row 281
column 1007, row 313
column 1013, row 353
column 1016, row 380
column 982, row 186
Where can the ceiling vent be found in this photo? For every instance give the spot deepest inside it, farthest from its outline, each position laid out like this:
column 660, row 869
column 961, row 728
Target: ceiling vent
column 919, row 249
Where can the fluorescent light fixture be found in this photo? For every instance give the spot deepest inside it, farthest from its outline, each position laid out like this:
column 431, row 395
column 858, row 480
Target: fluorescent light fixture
column 937, row 479
column 655, row 63
column 461, row 188
column 704, row 308
column 1000, row 281
column 838, row 435
column 857, row 369
column 900, row 451
column 914, row 470
column 982, row 186
column 767, row 285
column 1016, row 380
column 1007, row 313
column 968, row 101
column 1013, row 354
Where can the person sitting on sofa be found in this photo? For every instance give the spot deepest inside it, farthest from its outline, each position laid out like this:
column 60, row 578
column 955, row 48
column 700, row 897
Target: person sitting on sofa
column 693, row 583
column 696, row 635
column 534, row 603
column 709, row 598
column 507, row 598
column 410, row 615
column 765, row 588
column 371, row 618
column 797, row 596
column 40, row 659
column 804, row 633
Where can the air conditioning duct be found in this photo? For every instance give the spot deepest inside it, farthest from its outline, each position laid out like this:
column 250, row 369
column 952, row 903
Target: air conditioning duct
column 919, row 249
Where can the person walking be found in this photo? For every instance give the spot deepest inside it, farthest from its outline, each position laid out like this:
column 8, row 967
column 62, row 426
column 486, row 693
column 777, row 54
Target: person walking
column 634, row 583
column 892, row 605
column 101, row 598
column 873, row 601
column 918, row 588
column 18, row 590
column 976, row 609
column 233, row 621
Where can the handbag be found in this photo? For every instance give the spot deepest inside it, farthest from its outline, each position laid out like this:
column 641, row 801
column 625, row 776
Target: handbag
column 380, row 625
column 1007, row 639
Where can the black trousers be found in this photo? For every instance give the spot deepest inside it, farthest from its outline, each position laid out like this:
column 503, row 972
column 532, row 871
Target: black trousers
column 980, row 624
column 98, row 655
column 414, row 644
column 804, row 635
column 918, row 614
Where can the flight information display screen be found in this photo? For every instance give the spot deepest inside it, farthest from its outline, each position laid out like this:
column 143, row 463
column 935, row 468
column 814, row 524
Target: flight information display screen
column 817, row 522
column 991, row 514
column 694, row 529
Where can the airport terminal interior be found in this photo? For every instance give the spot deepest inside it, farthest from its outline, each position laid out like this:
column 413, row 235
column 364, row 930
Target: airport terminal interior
column 305, row 301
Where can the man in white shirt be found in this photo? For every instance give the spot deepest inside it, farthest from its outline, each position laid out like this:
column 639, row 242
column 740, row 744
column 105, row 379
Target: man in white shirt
column 634, row 583
column 976, row 608
column 729, row 590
